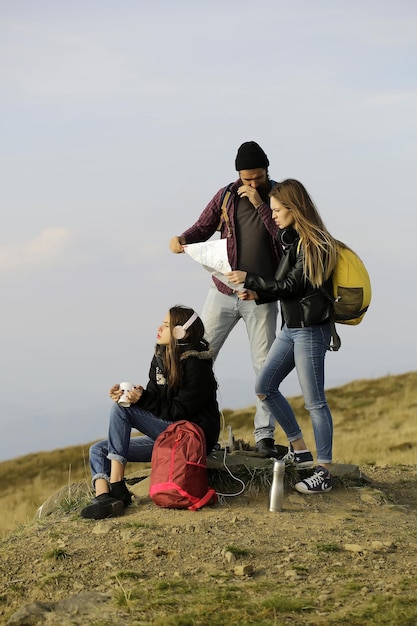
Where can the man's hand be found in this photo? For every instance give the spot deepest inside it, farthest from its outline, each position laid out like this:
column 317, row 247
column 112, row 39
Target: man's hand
column 176, row 246
column 237, row 277
column 246, row 191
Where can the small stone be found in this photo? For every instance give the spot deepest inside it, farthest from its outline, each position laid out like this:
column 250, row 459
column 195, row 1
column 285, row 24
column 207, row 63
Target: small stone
column 126, row 534
column 353, row 547
column 229, row 557
column 159, row 552
column 291, row 573
column 101, row 528
column 77, row 586
column 243, row 570
column 324, row 597
column 346, row 470
column 383, row 546
column 376, row 498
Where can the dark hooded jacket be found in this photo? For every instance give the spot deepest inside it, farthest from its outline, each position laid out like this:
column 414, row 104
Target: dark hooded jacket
column 195, row 400
column 301, row 303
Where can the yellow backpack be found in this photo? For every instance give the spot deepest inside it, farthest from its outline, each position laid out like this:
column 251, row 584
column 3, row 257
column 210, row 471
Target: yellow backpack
column 352, row 291
column 351, row 288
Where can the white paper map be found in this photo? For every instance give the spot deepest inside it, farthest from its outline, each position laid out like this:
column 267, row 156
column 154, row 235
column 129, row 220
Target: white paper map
column 212, row 255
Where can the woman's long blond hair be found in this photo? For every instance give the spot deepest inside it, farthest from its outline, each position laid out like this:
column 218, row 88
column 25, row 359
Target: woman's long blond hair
column 319, row 247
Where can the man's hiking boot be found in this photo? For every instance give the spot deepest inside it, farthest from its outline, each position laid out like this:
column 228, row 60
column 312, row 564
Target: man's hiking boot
column 103, row 506
column 119, row 491
column 266, row 447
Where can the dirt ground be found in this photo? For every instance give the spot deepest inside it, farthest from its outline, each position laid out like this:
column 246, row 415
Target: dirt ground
column 362, row 535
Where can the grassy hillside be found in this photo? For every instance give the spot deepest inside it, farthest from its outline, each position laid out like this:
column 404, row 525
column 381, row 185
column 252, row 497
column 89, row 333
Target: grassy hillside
column 374, row 422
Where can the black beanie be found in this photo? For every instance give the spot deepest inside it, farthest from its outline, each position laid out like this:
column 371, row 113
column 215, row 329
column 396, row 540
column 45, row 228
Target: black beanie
column 250, row 156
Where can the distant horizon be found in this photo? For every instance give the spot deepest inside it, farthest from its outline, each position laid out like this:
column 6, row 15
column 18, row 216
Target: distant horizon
column 99, row 423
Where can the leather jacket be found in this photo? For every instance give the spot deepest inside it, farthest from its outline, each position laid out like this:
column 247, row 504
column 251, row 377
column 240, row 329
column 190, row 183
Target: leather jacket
column 301, row 303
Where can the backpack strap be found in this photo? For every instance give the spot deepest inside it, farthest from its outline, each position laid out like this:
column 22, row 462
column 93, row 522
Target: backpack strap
column 335, row 342
column 223, row 211
column 210, row 497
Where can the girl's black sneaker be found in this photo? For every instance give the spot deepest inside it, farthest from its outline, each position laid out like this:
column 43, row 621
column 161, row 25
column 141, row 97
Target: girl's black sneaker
column 103, row 506
column 119, row 491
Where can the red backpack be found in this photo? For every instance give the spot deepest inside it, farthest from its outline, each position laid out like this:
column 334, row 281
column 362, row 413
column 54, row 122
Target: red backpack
column 179, row 471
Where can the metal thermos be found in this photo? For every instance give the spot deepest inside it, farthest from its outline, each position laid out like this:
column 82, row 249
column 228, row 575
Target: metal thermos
column 276, row 494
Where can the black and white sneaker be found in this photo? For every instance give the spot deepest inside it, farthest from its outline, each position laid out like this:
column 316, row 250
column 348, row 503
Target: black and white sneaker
column 303, row 459
column 319, row 482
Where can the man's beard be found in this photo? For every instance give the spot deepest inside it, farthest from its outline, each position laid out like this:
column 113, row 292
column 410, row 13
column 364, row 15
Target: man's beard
column 264, row 190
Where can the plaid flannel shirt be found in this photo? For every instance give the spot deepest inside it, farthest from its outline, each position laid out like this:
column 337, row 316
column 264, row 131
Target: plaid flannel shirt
column 209, row 221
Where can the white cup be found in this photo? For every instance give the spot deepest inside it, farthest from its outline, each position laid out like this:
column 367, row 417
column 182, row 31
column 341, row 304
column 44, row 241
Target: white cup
column 123, row 401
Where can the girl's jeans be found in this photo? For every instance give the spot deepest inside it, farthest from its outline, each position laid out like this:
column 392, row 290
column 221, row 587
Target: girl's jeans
column 304, row 349
column 120, row 446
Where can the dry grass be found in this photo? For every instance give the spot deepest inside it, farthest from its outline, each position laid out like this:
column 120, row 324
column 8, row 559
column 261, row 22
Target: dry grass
column 374, row 422
column 29, row 480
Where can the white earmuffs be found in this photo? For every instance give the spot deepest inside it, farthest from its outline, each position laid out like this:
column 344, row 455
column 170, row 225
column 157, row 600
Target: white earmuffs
column 179, row 331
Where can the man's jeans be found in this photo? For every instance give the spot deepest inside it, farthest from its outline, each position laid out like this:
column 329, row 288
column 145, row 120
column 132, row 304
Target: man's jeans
column 220, row 315
column 304, row 349
column 120, row 446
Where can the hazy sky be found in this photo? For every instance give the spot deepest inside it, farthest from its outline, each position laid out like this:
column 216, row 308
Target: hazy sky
column 120, row 120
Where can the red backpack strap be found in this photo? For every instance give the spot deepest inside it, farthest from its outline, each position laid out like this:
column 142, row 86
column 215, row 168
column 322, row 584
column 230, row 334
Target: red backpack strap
column 209, row 498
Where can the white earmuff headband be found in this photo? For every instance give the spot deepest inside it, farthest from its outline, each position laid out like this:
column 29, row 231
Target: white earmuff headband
column 179, row 331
